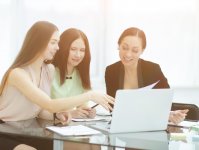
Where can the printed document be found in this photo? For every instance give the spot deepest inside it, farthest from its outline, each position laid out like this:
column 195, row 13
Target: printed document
column 73, row 130
column 150, row 86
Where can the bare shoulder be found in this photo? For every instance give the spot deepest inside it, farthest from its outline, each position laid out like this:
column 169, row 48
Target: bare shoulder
column 17, row 74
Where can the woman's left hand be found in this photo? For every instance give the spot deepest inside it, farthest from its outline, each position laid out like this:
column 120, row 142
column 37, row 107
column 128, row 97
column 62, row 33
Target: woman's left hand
column 177, row 116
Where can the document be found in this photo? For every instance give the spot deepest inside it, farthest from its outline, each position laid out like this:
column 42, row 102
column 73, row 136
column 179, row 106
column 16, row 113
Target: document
column 89, row 119
column 187, row 124
column 73, row 130
column 150, row 86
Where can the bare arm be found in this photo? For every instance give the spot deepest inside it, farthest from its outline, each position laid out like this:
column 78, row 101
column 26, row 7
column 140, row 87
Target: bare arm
column 21, row 80
column 44, row 114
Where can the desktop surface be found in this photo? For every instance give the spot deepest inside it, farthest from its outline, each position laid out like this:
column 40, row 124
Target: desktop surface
column 36, row 128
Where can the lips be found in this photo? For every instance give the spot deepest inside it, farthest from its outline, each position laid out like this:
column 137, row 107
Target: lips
column 127, row 59
column 76, row 60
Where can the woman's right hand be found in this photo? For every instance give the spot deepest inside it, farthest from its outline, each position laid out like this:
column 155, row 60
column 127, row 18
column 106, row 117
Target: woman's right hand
column 102, row 99
column 64, row 117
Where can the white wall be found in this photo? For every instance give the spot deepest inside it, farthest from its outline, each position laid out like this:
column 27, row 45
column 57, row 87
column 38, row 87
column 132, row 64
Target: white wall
column 171, row 28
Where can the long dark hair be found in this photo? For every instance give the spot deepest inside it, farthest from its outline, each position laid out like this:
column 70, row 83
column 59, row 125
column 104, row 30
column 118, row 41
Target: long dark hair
column 61, row 57
column 35, row 43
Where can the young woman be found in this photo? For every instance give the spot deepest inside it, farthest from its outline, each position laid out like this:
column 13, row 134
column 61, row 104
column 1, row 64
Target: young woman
column 132, row 72
column 25, row 88
column 72, row 66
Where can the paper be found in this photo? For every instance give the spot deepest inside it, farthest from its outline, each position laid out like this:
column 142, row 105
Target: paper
column 89, row 119
column 187, row 124
column 103, row 114
column 73, row 130
column 150, row 86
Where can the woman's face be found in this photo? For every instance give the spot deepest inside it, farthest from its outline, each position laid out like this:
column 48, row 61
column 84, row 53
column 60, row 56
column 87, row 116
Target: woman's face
column 130, row 50
column 76, row 52
column 52, row 47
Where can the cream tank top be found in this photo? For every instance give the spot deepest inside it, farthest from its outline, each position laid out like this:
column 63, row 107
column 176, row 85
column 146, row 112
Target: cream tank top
column 14, row 106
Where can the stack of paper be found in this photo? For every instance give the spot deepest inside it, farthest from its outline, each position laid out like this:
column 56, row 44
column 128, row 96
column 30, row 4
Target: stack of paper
column 73, row 130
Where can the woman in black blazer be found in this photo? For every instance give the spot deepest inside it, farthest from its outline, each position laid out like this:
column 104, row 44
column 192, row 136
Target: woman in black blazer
column 132, row 72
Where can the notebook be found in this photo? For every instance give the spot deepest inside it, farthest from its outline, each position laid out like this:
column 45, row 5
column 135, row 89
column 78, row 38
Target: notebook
column 73, row 130
column 139, row 110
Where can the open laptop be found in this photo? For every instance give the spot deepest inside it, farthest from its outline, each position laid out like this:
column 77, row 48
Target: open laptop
column 139, row 110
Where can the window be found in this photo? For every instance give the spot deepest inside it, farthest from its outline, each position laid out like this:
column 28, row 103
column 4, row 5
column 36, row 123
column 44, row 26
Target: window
column 171, row 28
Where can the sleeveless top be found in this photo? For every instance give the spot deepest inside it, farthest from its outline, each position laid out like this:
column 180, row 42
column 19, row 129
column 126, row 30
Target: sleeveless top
column 14, row 106
column 70, row 87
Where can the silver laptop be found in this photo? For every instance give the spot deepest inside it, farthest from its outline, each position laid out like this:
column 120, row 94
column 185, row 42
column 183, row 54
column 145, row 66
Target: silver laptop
column 139, row 110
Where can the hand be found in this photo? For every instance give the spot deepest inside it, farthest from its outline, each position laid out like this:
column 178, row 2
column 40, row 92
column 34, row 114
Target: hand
column 64, row 117
column 83, row 112
column 102, row 99
column 92, row 113
column 177, row 116
column 80, row 112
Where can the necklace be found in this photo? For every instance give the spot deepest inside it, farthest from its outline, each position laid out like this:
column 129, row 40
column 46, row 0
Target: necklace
column 68, row 77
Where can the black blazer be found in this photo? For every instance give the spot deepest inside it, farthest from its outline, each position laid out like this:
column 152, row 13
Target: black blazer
column 148, row 73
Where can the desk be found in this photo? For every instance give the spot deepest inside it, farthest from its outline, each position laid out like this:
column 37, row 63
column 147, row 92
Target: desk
column 35, row 128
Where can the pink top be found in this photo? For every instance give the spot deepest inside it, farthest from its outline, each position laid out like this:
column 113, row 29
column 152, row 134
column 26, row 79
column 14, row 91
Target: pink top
column 14, row 106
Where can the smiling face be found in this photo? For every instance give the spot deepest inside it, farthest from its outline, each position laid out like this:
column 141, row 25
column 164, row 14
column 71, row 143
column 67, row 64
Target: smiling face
column 76, row 52
column 130, row 50
column 52, row 47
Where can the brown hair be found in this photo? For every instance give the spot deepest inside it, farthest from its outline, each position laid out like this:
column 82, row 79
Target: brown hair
column 133, row 32
column 61, row 57
column 35, row 42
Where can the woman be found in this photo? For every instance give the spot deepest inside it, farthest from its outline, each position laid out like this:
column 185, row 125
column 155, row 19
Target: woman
column 132, row 72
column 72, row 63
column 25, row 87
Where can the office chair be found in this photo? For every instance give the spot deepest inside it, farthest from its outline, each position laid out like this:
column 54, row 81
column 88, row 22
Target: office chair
column 193, row 113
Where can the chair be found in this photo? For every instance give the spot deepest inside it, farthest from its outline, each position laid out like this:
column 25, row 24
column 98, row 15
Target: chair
column 193, row 113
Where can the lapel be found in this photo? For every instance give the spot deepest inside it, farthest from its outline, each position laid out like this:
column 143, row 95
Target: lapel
column 140, row 74
column 121, row 76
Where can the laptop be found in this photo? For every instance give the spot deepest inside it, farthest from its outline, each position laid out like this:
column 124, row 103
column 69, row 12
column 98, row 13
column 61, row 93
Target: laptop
column 139, row 110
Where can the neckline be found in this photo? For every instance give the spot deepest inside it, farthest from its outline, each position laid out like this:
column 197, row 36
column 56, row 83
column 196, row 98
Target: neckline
column 32, row 73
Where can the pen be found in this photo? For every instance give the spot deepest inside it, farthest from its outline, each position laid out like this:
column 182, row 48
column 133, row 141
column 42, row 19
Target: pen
column 94, row 106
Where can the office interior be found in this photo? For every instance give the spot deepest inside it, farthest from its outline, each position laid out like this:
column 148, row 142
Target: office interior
column 171, row 27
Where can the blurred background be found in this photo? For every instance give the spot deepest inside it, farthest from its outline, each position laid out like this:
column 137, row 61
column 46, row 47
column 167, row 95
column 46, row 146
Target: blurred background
column 171, row 27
